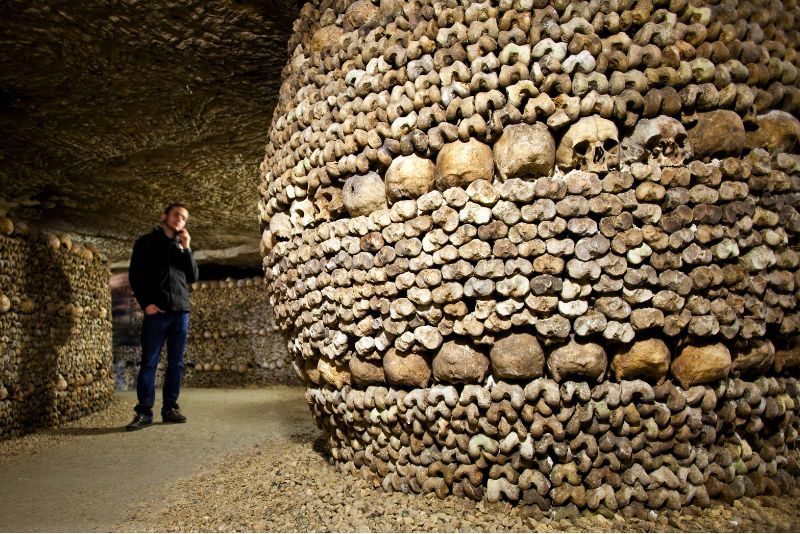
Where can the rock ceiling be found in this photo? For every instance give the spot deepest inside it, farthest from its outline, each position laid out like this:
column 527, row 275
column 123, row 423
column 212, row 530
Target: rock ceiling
column 111, row 110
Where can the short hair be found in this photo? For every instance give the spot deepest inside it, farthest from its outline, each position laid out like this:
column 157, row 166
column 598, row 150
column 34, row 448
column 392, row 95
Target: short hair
column 172, row 206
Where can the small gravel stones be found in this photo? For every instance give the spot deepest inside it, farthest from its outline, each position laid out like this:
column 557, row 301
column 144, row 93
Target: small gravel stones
column 259, row 490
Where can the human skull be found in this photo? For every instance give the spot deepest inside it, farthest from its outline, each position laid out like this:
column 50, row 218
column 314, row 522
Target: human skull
column 325, row 37
column 776, row 131
column 409, row 177
column 360, row 13
column 280, row 225
column 659, row 141
column 591, row 144
column 301, row 213
column 525, row 150
column 364, row 194
column 329, row 203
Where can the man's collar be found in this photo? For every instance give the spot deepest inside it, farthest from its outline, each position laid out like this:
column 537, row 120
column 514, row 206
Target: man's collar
column 160, row 227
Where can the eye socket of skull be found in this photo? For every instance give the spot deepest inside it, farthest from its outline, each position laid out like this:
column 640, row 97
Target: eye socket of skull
column 609, row 144
column 582, row 147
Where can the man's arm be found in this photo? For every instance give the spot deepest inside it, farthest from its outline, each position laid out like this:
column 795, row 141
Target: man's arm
column 190, row 266
column 137, row 274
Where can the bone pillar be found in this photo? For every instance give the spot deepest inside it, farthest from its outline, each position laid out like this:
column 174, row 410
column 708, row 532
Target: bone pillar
column 607, row 178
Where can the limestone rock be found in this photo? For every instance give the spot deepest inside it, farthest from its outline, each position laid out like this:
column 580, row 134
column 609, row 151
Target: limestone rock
column 647, row 359
column 701, row 364
column 458, row 362
column 517, row 356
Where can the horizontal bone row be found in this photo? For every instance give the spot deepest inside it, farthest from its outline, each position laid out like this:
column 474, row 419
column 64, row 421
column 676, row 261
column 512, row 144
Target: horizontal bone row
column 571, row 256
column 624, row 446
column 233, row 339
column 369, row 84
column 55, row 330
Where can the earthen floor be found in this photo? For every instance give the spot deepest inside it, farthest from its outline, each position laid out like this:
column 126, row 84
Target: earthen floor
column 252, row 460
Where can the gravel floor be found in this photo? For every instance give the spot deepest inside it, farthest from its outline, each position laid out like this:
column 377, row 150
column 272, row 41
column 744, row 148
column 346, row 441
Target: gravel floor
column 285, row 483
column 289, row 486
column 119, row 409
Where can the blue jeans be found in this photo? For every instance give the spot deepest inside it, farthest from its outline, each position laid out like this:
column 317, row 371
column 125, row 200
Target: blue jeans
column 172, row 327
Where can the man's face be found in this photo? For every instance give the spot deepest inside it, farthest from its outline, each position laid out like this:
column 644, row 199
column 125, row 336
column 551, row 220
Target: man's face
column 176, row 218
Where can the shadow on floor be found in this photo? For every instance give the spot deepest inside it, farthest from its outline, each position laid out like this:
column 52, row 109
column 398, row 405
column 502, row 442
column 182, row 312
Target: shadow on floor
column 317, row 440
column 83, row 431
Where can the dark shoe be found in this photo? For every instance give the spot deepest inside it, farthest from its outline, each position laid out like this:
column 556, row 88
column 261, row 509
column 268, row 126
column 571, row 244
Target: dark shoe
column 173, row 416
column 139, row 422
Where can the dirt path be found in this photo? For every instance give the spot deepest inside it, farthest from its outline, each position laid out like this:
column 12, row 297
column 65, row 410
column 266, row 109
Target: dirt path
column 252, row 460
column 94, row 478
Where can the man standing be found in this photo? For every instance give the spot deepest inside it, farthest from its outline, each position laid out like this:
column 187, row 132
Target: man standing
column 162, row 267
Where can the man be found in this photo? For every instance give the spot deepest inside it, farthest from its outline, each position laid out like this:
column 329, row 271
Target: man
column 161, row 268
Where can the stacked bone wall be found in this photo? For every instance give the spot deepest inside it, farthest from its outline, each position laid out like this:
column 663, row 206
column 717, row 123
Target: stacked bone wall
column 55, row 330
column 486, row 225
column 233, row 340
column 232, row 337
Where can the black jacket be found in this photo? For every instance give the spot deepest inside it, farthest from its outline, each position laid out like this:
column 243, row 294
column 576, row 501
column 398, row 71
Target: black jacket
column 160, row 271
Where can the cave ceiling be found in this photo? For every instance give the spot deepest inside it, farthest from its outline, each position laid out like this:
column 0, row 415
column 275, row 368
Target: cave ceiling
column 111, row 110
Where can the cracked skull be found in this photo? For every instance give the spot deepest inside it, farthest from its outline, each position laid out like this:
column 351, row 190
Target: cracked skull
column 659, row 141
column 591, row 144
column 329, row 203
column 301, row 213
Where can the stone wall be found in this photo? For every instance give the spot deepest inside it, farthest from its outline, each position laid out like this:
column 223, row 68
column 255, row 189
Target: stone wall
column 233, row 340
column 55, row 330
column 543, row 250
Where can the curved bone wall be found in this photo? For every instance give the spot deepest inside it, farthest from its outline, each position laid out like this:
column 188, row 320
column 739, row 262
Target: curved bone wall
column 543, row 251
column 55, row 330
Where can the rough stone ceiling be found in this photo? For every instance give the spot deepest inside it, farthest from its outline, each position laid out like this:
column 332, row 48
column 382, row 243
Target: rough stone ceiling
column 110, row 110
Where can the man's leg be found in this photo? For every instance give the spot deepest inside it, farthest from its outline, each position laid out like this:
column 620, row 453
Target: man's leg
column 154, row 332
column 176, row 346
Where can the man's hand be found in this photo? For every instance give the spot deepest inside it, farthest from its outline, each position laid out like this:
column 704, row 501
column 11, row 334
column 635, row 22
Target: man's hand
column 185, row 238
column 152, row 309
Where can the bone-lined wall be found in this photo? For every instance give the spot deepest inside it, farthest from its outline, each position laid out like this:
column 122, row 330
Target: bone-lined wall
column 232, row 336
column 233, row 340
column 55, row 330
column 543, row 251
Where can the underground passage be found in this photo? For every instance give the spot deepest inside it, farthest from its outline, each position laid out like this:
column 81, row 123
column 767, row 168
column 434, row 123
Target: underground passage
column 502, row 265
